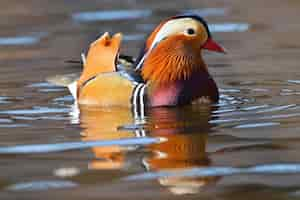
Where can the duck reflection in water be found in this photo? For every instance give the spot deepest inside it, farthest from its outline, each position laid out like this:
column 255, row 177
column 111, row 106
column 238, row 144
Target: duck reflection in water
column 185, row 129
column 102, row 124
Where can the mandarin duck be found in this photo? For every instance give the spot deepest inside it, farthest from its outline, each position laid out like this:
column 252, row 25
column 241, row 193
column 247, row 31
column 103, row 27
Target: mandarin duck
column 169, row 71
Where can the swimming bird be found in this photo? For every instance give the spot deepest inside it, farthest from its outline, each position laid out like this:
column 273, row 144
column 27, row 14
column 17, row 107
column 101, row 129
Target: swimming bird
column 170, row 70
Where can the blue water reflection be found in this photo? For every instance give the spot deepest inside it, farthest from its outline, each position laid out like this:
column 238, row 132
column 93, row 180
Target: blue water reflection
column 91, row 16
column 22, row 39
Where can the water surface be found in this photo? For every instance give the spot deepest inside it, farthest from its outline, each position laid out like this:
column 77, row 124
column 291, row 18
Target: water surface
column 244, row 147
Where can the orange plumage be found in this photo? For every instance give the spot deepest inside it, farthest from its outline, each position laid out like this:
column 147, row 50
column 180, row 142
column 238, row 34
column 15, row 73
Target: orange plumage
column 99, row 83
column 174, row 59
column 101, row 57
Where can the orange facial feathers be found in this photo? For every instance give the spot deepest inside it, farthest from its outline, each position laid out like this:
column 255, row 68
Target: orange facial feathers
column 175, row 58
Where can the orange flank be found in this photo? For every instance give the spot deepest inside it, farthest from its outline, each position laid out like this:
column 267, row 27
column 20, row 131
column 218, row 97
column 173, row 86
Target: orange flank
column 107, row 89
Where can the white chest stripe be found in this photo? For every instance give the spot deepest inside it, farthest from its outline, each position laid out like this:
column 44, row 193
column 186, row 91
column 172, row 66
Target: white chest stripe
column 83, row 59
column 135, row 98
column 138, row 101
column 142, row 104
column 135, row 93
column 73, row 89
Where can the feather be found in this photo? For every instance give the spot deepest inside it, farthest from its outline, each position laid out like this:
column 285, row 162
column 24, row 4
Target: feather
column 171, row 60
column 101, row 57
column 73, row 89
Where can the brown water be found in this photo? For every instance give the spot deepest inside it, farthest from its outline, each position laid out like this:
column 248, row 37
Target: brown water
column 243, row 148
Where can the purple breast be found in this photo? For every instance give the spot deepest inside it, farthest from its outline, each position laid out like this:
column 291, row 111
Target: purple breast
column 183, row 92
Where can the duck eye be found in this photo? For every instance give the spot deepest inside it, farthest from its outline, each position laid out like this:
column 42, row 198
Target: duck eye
column 190, row 31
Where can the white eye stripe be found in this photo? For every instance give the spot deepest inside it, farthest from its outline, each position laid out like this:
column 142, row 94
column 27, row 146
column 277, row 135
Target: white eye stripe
column 171, row 27
column 175, row 26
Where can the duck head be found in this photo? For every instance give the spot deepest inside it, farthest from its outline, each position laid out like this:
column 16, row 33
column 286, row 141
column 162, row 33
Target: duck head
column 173, row 50
column 172, row 59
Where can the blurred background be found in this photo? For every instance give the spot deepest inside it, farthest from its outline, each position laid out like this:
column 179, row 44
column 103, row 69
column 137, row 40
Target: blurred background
column 255, row 123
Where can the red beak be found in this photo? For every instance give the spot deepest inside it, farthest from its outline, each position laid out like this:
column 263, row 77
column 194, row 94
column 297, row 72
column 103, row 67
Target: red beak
column 211, row 45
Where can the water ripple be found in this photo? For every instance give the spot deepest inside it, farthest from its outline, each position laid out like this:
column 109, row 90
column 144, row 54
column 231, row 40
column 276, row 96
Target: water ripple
column 35, row 110
column 4, row 100
column 230, row 90
column 250, row 108
column 21, row 40
column 205, row 12
column 41, row 85
column 134, row 37
column 5, row 120
column 46, row 87
column 66, row 172
column 41, row 185
column 294, row 81
column 110, row 15
column 221, row 121
column 282, row 116
column 230, row 120
column 229, row 27
column 277, row 108
column 67, row 146
column 257, row 125
column 218, row 171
